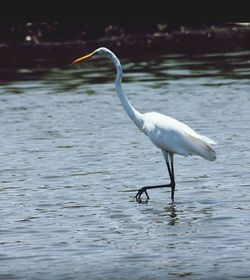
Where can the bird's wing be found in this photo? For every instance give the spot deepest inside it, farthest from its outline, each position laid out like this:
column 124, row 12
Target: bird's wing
column 202, row 147
column 171, row 135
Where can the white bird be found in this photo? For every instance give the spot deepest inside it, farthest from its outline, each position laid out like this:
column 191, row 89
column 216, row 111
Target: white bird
column 168, row 134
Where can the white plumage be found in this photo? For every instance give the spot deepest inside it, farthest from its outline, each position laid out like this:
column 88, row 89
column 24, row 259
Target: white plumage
column 168, row 134
column 176, row 137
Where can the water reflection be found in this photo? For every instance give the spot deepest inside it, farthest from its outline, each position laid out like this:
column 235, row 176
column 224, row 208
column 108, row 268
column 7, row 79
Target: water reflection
column 233, row 65
column 172, row 213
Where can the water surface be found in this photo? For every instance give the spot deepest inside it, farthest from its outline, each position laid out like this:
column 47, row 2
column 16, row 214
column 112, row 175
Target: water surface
column 72, row 160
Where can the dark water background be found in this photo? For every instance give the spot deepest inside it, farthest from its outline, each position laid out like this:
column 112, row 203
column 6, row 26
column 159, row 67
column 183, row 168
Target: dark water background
column 71, row 161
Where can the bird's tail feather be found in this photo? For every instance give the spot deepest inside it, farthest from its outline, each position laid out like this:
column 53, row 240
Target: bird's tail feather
column 203, row 147
column 208, row 140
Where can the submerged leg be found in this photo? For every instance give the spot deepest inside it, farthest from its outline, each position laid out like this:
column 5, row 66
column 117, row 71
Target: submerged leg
column 171, row 175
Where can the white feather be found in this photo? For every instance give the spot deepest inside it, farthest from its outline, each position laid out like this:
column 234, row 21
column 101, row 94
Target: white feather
column 176, row 137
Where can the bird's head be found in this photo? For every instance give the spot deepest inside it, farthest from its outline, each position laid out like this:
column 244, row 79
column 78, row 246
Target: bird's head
column 100, row 51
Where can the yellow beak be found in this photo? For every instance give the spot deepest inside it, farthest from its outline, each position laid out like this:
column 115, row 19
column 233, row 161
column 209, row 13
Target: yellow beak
column 83, row 57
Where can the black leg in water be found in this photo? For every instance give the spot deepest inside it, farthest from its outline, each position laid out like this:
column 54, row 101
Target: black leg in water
column 171, row 185
column 144, row 190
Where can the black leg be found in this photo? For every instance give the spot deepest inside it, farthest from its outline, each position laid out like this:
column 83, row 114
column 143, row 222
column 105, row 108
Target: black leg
column 171, row 185
column 144, row 190
column 172, row 178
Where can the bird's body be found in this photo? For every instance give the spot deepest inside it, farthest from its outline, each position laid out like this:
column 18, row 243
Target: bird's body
column 176, row 137
column 168, row 134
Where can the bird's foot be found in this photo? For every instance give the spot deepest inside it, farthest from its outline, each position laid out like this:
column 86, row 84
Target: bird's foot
column 139, row 193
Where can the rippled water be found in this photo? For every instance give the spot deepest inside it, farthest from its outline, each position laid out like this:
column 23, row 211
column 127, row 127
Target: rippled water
column 71, row 161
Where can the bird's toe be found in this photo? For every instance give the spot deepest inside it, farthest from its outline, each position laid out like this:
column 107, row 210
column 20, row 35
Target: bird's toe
column 139, row 193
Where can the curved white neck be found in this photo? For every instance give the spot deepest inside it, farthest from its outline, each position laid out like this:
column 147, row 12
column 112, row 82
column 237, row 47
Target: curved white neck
column 135, row 116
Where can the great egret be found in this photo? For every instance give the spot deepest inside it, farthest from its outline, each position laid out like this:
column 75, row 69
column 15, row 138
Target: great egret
column 168, row 134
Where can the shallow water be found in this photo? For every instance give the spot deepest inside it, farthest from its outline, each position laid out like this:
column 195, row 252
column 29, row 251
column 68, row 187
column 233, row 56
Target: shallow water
column 71, row 162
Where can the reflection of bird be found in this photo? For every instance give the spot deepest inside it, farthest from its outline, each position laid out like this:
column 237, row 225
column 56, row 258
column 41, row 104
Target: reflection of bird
column 168, row 134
